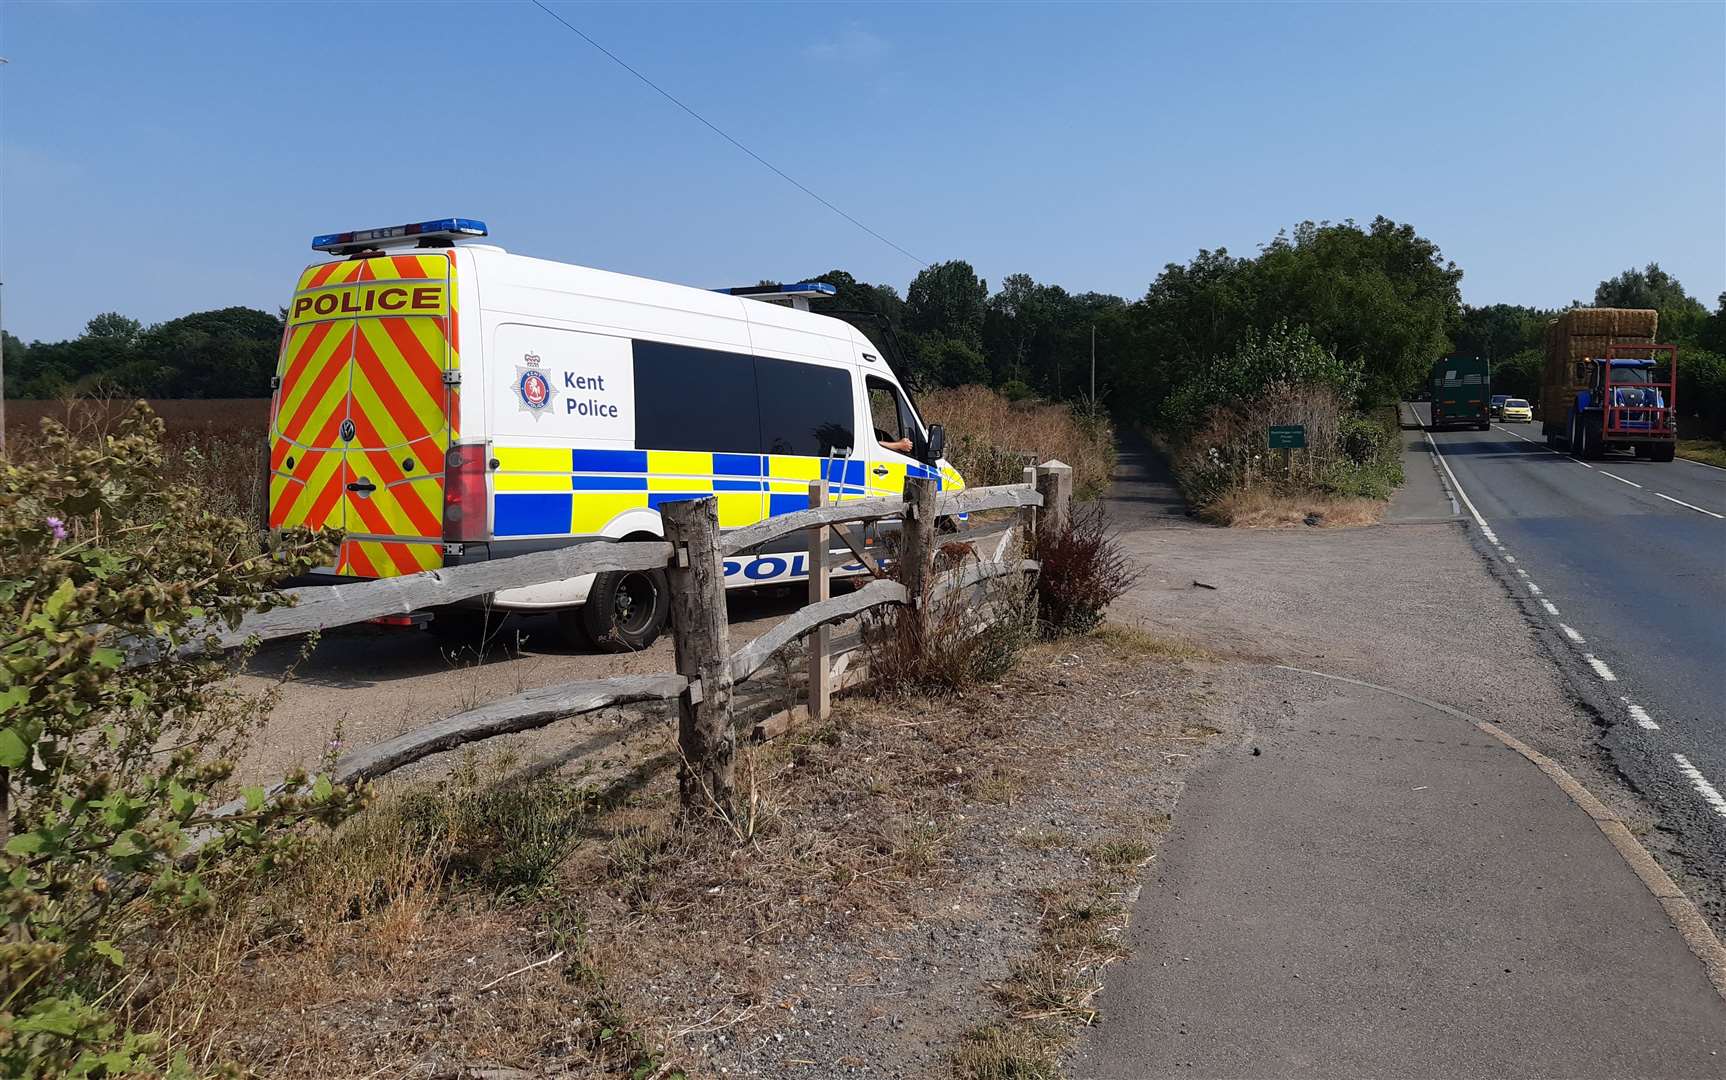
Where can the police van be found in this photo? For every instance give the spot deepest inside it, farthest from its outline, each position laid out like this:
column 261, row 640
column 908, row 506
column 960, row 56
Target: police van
column 442, row 401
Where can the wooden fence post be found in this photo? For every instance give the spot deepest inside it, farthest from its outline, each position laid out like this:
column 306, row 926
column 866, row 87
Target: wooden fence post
column 1055, row 484
column 820, row 680
column 703, row 646
column 1028, row 516
column 917, row 547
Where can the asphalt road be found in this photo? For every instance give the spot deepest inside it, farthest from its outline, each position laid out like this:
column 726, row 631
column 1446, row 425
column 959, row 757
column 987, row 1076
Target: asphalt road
column 1626, row 559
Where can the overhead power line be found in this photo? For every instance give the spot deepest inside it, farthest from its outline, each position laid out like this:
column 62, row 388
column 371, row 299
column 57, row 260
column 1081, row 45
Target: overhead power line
column 781, row 173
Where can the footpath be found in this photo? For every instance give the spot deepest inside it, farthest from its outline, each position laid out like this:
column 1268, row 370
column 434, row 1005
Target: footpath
column 1373, row 885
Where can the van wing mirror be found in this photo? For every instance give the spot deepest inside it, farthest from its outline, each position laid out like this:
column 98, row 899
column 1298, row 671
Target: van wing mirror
column 937, row 443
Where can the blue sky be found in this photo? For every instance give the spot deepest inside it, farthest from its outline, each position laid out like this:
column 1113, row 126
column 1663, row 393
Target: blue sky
column 161, row 158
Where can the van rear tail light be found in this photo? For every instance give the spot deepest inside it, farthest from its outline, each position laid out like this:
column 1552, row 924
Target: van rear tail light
column 464, row 501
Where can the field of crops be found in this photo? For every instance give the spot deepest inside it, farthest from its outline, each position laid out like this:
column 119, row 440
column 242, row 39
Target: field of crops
column 219, row 443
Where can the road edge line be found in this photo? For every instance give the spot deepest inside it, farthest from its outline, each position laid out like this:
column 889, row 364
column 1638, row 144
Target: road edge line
column 1680, row 910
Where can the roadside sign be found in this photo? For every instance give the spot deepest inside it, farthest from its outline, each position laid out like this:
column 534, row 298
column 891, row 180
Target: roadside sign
column 1288, row 437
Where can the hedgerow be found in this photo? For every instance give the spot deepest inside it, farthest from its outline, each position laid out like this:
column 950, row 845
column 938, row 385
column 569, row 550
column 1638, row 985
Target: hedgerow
column 110, row 766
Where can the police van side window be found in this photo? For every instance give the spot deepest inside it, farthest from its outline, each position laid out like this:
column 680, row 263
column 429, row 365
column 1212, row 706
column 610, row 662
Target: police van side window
column 889, row 412
column 695, row 399
column 805, row 408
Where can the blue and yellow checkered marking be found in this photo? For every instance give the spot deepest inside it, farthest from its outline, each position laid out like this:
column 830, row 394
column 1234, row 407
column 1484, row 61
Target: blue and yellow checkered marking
column 543, row 491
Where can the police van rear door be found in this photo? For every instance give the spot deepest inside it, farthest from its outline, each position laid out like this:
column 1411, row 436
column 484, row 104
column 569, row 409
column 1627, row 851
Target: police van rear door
column 364, row 409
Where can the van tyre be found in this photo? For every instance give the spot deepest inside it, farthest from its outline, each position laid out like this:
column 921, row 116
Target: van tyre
column 625, row 611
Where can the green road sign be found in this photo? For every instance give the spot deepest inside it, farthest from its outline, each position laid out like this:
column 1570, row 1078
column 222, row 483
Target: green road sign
column 1288, row 437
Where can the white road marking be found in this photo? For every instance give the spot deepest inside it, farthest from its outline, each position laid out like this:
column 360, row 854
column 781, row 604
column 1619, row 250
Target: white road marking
column 1643, row 720
column 1485, row 529
column 1570, row 631
column 1620, row 479
column 1510, row 558
column 1533, row 589
column 1519, row 569
column 1689, row 506
column 1704, row 464
column 1582, row 463
column 1710, row 794
column 1551, row 608
column 1599, row 667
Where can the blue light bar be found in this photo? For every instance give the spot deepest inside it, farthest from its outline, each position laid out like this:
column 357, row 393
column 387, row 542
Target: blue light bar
column 802, row 288
column 443, row 228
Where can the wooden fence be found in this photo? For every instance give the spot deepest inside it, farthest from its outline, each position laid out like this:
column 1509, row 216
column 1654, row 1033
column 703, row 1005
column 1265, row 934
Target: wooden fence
column 707, row 667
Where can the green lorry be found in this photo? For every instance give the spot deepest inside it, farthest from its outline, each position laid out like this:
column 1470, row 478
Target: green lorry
column 1461, row 392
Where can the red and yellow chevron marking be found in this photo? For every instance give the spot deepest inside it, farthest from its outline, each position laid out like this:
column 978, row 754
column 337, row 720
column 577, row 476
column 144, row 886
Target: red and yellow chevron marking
column 352, row 359
column 386, row 558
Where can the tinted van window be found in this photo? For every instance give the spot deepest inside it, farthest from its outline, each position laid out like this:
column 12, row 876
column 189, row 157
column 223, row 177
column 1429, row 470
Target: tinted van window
column 695, row 399
column 805, row 409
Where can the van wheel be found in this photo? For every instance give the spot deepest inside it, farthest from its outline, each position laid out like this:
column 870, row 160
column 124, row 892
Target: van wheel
column 625, row 611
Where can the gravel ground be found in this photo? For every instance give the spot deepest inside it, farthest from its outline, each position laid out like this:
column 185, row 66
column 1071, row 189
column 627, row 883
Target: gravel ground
column 1112, row 738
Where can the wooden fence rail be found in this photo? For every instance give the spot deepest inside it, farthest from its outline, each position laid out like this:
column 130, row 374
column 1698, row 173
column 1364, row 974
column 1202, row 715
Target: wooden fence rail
column 707, row 666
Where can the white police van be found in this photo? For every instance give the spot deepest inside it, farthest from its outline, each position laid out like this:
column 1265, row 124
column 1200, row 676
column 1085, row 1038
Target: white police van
column 443, row 401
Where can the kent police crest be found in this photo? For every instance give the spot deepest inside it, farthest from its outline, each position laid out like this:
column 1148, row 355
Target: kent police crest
column 532, row 389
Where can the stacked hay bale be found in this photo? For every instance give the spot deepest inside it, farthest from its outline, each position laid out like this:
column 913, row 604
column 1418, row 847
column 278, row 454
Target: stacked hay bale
column 1582, row 334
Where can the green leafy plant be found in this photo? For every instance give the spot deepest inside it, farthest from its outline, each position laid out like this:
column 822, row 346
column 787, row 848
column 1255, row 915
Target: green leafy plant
column 117, row 726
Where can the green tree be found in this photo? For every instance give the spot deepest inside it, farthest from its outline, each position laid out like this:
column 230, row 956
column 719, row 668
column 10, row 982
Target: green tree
column 947, row 300
column 230, row 352
column 943, row 361
column 1285, row 356
column 1499, row 331
column 1382, row 297
column 1681, row 315
column 114, row 327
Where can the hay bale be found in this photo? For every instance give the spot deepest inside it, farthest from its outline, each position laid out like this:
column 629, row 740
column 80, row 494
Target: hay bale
column 1578, row 322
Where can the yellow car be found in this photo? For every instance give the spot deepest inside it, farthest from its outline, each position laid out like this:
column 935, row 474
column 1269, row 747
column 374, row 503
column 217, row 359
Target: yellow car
column 1516, row 409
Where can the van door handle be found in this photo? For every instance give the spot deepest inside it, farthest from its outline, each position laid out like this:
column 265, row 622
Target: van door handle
column 364, row 487
column 879, row 470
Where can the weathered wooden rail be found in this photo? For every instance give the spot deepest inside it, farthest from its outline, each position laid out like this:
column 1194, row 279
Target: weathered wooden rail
column 707, row 667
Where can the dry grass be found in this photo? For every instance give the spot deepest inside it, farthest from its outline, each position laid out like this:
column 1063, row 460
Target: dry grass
column 1135, row 641
column 991, row 440
column 401, row 944
column 1265, row 508
column 1707, row 451
column 407, row 944
column 218, row 444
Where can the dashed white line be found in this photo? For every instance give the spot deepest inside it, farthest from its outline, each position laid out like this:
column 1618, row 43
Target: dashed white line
column 1643, row 720
column 1551, row 608
column 1599, row 667
column 1710, row 794
column 1510, row 558
column 1533, row 589
column 1485, row 529
column 1620, row 479
column 1691, row 506
column 1519, row 569
column 1570, row 631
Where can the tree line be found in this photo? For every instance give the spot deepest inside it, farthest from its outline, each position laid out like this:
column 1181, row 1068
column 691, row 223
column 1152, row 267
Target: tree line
column 1378, row 299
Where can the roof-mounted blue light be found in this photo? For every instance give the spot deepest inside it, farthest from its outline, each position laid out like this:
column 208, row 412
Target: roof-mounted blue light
column 770, row 292
column 360, row 239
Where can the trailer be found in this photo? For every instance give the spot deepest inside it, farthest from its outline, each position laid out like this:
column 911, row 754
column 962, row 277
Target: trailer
column 1461, row 388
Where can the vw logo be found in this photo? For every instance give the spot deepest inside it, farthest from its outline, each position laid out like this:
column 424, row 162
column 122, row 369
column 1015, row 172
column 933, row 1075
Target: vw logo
column 347, row 430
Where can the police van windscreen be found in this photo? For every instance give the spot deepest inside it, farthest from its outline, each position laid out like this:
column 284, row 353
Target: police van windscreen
column 723, row 402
